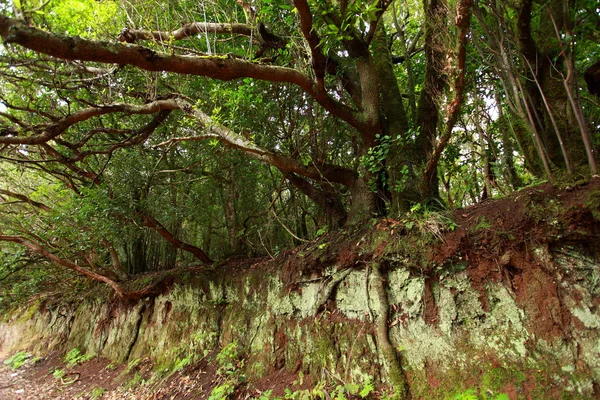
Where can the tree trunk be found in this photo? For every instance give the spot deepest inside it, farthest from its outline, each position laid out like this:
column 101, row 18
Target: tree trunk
column 428, row 112
column 542, row 52
column 363, row 201
column 401, row 182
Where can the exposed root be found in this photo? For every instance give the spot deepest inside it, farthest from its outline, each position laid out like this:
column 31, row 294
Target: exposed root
column 138, row 325
column 391, row 359
column 70, row 378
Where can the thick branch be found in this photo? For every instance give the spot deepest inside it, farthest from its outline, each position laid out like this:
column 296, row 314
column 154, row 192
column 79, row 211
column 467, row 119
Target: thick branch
column 319, row 61
column 151, row 222
column 329, row 202
column 36, row 248
column 223, row 67
column 320, row 172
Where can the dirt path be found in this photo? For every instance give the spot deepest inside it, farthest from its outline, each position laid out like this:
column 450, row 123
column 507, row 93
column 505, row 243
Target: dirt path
column 98, row 379
column 35, row 381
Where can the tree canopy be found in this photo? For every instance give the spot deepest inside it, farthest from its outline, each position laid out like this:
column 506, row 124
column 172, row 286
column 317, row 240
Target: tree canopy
column 139, row 136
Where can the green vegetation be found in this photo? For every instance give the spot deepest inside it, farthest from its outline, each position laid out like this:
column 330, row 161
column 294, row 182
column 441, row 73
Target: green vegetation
column 142, row 139
column 135, row 171
column 471, row 394
column 229, row 364
column 17, row 360
column 74, row 357
column 97, row 393
column 58, row 373
column 327, row 390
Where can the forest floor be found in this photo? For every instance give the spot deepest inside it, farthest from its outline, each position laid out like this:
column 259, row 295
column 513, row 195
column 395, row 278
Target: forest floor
column 100, row 379
column 482, row 234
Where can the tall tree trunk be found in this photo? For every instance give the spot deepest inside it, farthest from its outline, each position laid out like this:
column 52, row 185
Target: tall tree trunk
column 401, row 179
column 513, row 178
column 428, row 112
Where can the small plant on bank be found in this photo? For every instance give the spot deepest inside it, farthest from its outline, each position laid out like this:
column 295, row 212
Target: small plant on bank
column 75, row 357
column 230, row 365
column 17, row 360
column 64, row 377
column 326, row 390
column 58, row 373
column 97, row 393
column 429, row 221
column 471, row 394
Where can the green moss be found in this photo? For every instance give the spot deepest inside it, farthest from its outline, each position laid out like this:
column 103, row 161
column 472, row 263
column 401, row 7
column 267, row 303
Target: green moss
column 495, row 379
column 30, row 311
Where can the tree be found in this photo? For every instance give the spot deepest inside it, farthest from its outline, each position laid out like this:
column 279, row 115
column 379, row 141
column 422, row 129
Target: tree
column 345, row 67
column 293, row 116
column 534, row 51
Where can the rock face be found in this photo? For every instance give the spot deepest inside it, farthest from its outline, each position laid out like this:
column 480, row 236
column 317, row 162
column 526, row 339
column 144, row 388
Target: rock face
column 527, row 334
column 519, row 318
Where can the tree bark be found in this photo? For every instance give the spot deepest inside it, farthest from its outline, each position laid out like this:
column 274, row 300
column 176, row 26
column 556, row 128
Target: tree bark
column 428, row 112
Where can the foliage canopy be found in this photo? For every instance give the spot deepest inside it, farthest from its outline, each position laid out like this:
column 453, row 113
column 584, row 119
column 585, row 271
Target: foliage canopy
column 139, row 136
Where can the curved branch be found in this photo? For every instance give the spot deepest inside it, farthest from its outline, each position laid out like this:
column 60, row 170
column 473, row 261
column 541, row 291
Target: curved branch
column 222, row 67
column 321, row 172
column 54, row 130
column 319, row 61
column 36, row 248
column 329, row 202
column 25, row 199
column 137, row 137
column 151, row 222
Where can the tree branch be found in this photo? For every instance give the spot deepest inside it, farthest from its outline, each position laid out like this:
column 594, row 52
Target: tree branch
column 25, row 199
column 319, row 61
column 186, row 31
column 319, row 172
column 151, row 222
column 36, row 248
column 329, row 202
column 222, row 67
column 54, row 130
